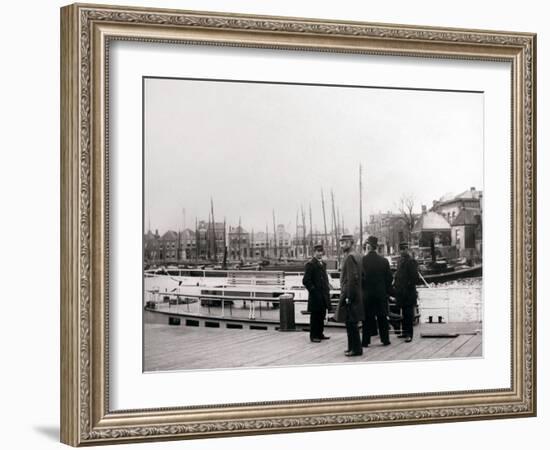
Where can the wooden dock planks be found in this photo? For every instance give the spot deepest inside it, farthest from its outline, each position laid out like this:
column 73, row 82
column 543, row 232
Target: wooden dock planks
column 184, row 348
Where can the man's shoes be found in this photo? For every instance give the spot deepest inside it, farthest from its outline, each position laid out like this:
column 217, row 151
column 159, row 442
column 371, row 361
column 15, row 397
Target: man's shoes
column 365, row 345
column 351, row 353
column 316, row 340
column 401, row 336
column 386, row 343
column 408, row 339
column 325, row 337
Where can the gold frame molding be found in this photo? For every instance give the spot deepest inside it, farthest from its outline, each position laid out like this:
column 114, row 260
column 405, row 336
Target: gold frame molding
column 86, row 31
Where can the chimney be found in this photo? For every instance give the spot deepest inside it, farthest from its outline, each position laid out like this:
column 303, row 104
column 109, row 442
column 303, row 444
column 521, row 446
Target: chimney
column 424, row 209
column 472, row 189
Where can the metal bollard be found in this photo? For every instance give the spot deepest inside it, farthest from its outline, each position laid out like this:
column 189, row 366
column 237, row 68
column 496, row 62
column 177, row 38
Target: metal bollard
column 286, row 313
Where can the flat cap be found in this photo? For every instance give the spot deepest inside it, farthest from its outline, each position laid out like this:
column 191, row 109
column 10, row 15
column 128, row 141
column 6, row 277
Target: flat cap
column 403, row 245
column 318, row 248
column 346, row 237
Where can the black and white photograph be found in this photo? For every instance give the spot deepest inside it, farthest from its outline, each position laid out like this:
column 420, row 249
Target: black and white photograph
column 275, row 225
column 292, row 224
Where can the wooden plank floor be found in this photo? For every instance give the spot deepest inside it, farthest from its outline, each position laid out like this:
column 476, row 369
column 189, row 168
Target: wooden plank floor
column 183, row 348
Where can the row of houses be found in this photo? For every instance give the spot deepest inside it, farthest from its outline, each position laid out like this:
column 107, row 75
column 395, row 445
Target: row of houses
column 453, row 225
column 211, row 241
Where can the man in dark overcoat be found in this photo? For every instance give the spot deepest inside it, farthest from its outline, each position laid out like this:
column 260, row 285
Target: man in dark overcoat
column 377, row 282
column 316, row 282
column 406, row 279
column 350, row 306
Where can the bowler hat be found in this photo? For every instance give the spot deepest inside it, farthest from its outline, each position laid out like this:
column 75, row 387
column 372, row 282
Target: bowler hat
column 318, row 248
column 372, row 240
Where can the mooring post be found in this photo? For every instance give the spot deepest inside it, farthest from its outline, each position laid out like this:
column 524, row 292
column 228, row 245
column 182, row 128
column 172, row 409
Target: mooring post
column 286, row 313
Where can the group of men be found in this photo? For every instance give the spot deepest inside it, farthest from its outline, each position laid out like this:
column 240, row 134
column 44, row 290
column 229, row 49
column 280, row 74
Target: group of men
column 366, row 284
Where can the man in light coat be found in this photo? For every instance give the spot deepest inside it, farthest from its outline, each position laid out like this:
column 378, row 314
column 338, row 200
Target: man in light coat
column 350, row 307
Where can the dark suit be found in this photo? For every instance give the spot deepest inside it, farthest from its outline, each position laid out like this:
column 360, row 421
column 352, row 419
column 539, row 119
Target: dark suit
column 406, row 295
column 352, row 312
column 316, row 282
column 377, row 281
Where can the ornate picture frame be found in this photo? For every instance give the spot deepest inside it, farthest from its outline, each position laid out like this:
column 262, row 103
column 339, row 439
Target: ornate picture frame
column 86, row 34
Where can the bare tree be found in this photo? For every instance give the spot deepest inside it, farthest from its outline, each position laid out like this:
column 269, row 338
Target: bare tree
column 406, row 206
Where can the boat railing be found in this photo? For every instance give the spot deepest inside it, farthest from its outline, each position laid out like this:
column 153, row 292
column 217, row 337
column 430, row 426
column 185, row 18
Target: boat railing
column 240, row 278
column 224, row 300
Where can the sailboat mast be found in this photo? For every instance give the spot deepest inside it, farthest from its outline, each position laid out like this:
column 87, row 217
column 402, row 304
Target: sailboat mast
column 310, row 230
column 252, row 253
column 214, row 230
column 325, row 237
column 239, row 238
column 360, row 208
column 304, row 228
column 275, row 235
column 296, row 255
column 208, row 238
column 224, row 243
column 335, row 226
column 197, row 240
column 266, row 241
column 183, row 239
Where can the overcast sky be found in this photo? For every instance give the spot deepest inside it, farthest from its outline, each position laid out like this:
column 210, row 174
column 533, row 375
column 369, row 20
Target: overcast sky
column 256, row 147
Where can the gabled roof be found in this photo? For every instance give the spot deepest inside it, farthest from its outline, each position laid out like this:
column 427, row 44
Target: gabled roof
column 170, row 236
column 149, row 236
column 467, row 216
column 431, row 221
column 188, row 233
column 468, row 195
column 449, row 196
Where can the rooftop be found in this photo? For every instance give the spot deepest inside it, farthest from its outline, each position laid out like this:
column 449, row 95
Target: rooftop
column 467, row 216
column 170, row 235
column 431, row 221
column 470, row 194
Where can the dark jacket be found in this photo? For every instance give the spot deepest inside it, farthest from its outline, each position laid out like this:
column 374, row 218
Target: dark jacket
column 316, row 282
column 405, row 281
column 350, row 287
column 377, row 278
